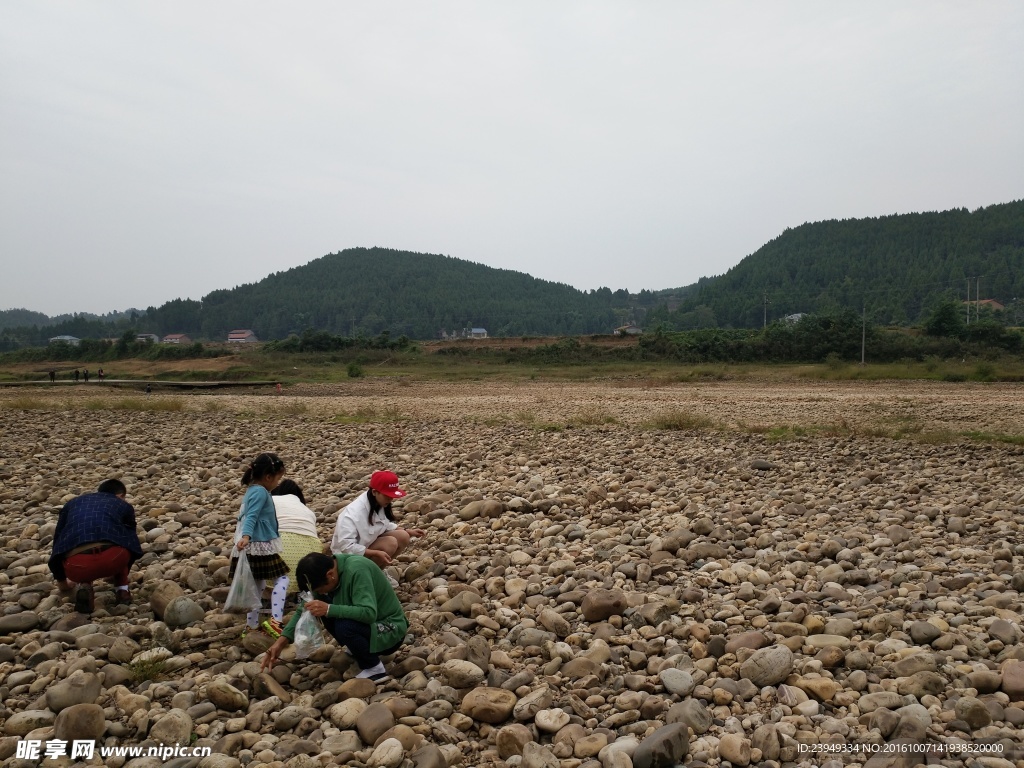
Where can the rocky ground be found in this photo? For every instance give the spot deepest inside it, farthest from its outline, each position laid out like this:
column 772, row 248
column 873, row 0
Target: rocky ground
column 591, row 592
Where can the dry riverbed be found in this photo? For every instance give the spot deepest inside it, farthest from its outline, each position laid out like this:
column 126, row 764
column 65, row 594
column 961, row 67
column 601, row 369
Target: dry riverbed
column 780, row 585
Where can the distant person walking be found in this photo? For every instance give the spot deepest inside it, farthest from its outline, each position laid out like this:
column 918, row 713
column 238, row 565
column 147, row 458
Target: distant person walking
column 100, row 374
column 76, row 375
column 85, row 375
column 53, row 376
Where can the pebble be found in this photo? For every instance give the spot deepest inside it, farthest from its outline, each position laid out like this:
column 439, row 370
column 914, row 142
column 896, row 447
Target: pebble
column 584, row 597
column 80, row 722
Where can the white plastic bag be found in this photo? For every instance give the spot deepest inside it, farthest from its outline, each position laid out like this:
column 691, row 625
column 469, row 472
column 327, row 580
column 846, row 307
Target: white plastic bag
column 309, row 636
column 244, row 596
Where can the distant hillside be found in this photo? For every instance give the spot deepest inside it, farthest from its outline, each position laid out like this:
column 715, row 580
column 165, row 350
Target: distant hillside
column 899, row 267
column 896, row 266
column 364, row 291
column 16, row 318
column 25, row 318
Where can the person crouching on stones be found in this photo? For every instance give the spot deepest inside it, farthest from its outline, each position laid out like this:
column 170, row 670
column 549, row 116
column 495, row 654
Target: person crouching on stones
column 297, row 524
column 367, row 526
column 95, row 538
column 355, row 602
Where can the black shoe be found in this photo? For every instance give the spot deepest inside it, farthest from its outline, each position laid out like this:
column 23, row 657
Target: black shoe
column 122, row 597
column 85, row 600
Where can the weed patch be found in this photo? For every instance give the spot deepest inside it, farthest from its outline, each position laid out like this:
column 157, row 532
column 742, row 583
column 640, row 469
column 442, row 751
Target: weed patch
column 681, row 420
column 368, row 415
column 147, row 669
column 296, row 408
column 146, row 404
column 995, row 437
column 591, row 416
column 26, row 404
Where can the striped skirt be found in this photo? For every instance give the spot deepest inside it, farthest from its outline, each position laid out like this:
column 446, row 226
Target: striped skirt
column 264, row 567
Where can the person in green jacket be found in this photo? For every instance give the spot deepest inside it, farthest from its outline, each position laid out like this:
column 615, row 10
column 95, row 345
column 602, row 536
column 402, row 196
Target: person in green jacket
column 356, row 604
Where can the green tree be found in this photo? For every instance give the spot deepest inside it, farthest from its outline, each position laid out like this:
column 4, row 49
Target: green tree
column 947, row 319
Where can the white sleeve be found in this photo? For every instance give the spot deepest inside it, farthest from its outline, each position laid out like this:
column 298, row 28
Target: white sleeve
column 346, row 535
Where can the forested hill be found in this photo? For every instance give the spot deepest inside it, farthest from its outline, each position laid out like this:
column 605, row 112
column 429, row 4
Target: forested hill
column 363, row 291
column 898, row 267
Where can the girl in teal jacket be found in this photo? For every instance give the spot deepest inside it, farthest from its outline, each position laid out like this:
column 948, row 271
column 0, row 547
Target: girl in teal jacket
column 257, row 535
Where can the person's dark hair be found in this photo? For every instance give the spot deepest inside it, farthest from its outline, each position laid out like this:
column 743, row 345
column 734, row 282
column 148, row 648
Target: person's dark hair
column 311, row 570
column 113, row 485
column 264, row 465
column 374, row 506
column 288, row 488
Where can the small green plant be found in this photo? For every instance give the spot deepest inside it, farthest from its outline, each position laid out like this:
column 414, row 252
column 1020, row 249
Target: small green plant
column 833, row 361
column 796, row 431
column 147, row 669
column 26, row 404
column 355, row 370
column 784, row 432
column 134, row 404
column 524, row 417
column 936, row 437
column 147, row 404
column 548, row 426
column 295, row 408
column 367, row 415
column 358, row 416
column 212, row 405
column 995, row 437
column 717, row 374
column 680, row 420
column 985, row 371
column 591, row 416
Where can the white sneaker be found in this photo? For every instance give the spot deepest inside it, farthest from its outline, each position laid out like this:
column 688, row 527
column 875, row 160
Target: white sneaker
column 378, row 674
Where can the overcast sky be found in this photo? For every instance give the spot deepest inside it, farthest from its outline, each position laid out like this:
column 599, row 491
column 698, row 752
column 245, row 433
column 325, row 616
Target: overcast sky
column 152, row 151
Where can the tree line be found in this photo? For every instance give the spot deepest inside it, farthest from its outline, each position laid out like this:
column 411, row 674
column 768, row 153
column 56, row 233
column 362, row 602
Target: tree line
column 895, row 269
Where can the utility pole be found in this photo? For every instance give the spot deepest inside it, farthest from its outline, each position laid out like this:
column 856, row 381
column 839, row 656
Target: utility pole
column 968, row 302
column 863, row 330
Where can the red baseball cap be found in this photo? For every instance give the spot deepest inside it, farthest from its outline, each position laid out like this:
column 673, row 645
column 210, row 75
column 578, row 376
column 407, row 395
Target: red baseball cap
column 386, row 483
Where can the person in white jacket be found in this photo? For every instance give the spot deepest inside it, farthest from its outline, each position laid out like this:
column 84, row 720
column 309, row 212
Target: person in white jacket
column 297, row 524
column 367, row 526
